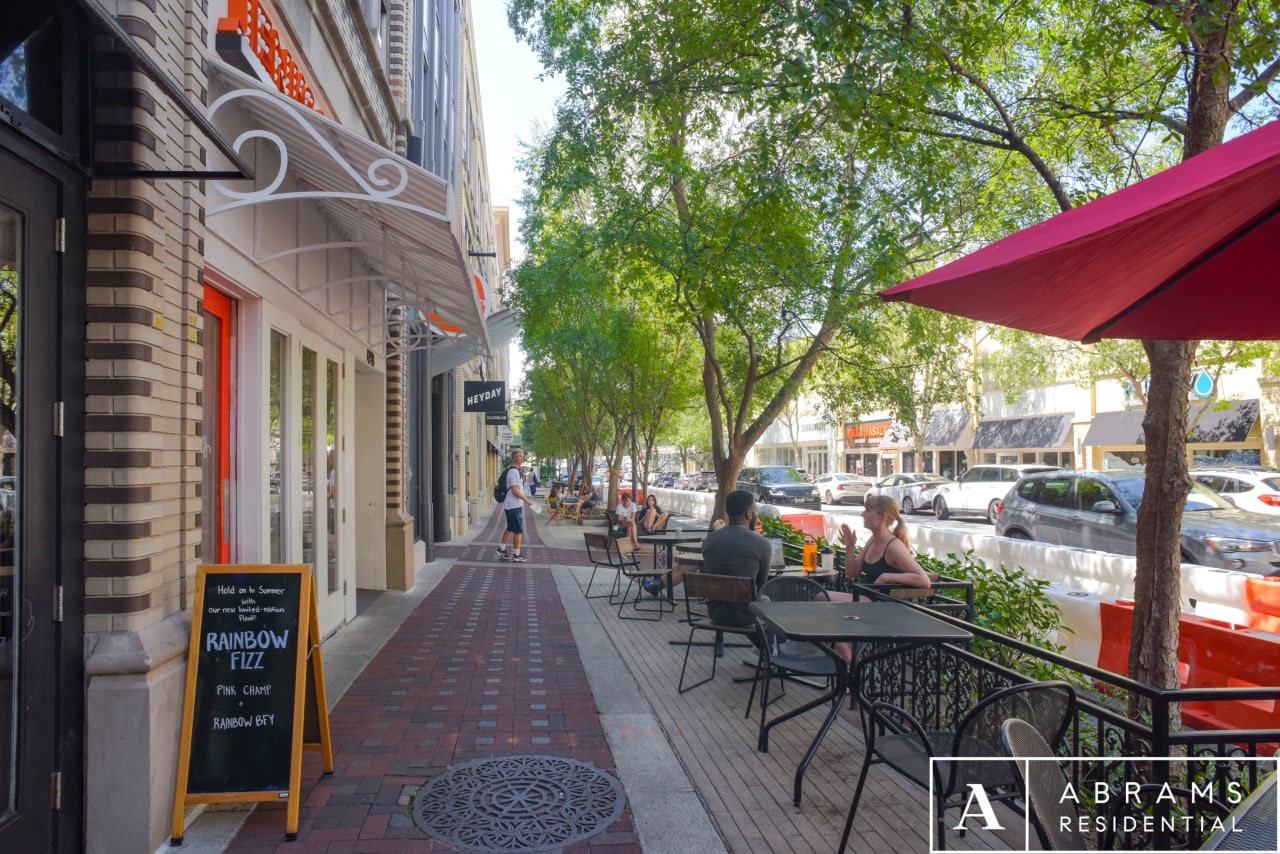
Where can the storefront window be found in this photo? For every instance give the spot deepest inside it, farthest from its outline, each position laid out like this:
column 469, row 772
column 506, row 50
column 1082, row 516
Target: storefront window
column 31, row 61
column 309, row 458
column 276, row 493
column 331, row 464
column 11, row 241
column 1235, row 457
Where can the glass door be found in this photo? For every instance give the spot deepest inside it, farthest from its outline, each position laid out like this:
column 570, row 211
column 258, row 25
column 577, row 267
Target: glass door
column 29, row 670
column 323, row 505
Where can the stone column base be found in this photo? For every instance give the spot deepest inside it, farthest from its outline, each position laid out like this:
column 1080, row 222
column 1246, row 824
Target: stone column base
column 400, row 561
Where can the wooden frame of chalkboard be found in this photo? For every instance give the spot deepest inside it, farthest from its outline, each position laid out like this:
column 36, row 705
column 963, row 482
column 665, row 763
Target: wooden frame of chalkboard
column 250, row 707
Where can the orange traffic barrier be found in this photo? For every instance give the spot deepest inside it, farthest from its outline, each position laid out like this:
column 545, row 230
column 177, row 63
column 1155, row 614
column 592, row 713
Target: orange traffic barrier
column 1211, row 654
column 1263, row 596
column 813, row 524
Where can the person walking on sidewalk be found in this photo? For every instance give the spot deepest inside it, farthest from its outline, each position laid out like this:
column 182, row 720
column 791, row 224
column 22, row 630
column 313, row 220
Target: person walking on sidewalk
column 513, row 505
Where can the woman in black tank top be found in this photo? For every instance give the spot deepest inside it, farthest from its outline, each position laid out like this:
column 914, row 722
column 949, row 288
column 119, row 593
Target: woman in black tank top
column 893, row 563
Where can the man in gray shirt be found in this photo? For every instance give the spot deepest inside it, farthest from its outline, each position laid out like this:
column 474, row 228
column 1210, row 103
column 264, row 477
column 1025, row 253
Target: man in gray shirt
column 736, row 549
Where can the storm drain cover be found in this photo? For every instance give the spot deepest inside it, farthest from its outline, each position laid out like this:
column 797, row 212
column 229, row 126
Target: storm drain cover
column 518, row 803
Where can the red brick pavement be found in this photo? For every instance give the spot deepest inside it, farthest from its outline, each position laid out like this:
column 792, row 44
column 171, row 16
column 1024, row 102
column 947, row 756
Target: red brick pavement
column 485, row 666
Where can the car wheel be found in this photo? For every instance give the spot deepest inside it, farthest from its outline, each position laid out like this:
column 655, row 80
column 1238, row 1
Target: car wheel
column 1015, row 534
column 940, row 509
column 908, row 506
column 993, row 511
column 826, row 499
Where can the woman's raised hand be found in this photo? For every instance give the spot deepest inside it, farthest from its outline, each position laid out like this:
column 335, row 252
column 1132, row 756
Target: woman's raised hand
column 849, row 538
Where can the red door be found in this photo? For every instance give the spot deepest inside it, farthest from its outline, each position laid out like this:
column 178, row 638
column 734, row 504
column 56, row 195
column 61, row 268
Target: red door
column 217, row 518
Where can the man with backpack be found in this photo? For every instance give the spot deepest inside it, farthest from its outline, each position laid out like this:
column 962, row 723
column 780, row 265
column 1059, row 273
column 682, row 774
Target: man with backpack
column 510, row 491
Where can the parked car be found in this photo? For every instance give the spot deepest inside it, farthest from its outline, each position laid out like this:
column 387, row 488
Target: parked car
column 808, row 478
column 705, row 481
column 913, row 492
column 684, row 480
column 838, row 487
column 978, row 491
column 778, row 485
column 1252, row 488
column 1099, row 510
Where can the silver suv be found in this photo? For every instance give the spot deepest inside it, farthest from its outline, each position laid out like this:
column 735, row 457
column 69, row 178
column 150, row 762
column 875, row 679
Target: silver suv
column 1099, row 510
column 978, row 491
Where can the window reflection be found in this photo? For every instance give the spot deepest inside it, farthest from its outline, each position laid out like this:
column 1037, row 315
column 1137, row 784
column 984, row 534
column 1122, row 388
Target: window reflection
column 309, row 457
column 11, row 241
column 331, row 465
column 275, row 447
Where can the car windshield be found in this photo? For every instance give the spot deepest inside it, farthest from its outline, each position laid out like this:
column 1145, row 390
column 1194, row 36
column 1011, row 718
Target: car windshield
column 1270, row 482
column 1199, row 498
column 931, row 478
column 780, row 474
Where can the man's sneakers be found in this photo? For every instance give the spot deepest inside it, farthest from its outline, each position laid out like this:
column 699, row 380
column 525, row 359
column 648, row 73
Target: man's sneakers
column 517, row 558
column 501, row 553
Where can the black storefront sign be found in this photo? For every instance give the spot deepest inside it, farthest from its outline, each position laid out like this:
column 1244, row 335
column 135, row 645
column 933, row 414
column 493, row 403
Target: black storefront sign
column 253, row 679
column 497, row 418
column 481, row 396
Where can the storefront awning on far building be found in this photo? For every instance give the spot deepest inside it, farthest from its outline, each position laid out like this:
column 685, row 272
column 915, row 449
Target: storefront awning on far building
column 948, row 428
column 1215, row 422
column 1033, row 431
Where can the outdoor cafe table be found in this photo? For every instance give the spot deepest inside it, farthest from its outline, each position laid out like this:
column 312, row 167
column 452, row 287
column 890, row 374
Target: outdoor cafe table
column 827, row 623
column 692, row 555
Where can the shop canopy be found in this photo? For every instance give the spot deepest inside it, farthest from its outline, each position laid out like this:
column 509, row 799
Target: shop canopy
column 1189, row 253
column 390, row 213
column 1212, row 423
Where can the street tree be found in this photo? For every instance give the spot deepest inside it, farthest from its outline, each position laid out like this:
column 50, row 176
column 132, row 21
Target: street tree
column 1083, row 98
column 918, row 361
column 750, row 207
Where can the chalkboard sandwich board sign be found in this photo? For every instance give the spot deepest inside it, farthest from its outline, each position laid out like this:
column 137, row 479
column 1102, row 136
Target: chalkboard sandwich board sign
column 249, row 689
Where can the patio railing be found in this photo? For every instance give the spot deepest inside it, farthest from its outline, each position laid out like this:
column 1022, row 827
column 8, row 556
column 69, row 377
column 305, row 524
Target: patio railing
column 941, row 682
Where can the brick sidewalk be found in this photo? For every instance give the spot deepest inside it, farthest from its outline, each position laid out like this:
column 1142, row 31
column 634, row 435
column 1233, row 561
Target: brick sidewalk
column 485, row 666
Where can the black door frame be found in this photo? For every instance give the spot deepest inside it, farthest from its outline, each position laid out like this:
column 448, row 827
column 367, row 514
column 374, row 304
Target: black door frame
column 51, row 518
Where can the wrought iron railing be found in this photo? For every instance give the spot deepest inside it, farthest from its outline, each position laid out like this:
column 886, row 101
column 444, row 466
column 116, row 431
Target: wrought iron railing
column 938, row 684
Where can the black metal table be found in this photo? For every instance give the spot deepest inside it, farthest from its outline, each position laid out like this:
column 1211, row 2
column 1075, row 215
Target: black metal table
column 827, row 623
column 1252, row 826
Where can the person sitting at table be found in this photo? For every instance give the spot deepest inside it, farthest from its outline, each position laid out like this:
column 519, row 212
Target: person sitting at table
column 886, row 558
column 553, row 502
column 652, row 518
column 736, row 549
column 590, row 498
column 626, row 515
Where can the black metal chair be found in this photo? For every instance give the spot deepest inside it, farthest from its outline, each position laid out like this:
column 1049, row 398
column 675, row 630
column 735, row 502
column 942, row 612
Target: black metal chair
column 1056, row 817
column 624, row 557
column 599, row 553
column 718, row 588
column 781, row 657
column 896, row 738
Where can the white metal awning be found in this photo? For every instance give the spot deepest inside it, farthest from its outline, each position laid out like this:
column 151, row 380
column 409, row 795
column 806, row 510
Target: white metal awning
column 392, row 213
column 453, row 352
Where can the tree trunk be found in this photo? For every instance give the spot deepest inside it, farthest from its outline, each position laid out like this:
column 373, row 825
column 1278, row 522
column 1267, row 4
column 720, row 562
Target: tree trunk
column 1153, row 650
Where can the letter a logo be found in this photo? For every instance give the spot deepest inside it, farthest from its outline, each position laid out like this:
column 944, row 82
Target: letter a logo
column 979, row 794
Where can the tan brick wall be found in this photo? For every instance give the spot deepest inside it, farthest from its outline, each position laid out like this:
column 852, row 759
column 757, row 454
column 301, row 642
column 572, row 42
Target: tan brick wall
column 143, row 408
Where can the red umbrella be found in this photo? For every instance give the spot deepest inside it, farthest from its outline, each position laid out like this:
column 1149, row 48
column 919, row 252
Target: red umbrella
column 1190, row 253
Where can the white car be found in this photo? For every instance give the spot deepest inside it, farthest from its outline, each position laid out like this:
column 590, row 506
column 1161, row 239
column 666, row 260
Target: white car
column 913, row 492
column 978, row 491
column 1249, row 488
column 839, row 487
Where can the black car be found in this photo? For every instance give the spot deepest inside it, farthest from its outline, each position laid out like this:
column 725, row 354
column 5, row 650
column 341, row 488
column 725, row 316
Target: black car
column 778, row 485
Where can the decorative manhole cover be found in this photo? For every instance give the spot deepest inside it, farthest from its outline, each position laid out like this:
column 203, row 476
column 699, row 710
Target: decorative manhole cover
column 518, row 803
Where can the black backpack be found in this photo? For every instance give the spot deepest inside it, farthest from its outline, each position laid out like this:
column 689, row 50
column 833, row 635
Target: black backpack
column 500, row 488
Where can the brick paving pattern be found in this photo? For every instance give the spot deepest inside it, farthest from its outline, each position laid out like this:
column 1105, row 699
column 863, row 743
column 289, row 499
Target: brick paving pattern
column 485, row 666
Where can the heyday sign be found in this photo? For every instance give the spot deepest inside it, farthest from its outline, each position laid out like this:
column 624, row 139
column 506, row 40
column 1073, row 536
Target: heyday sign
column 484, row 396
